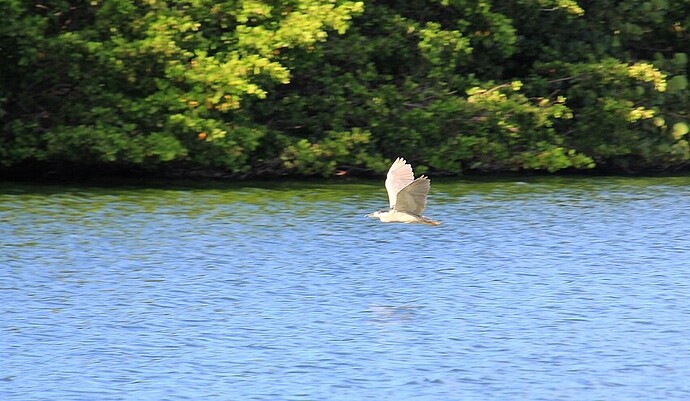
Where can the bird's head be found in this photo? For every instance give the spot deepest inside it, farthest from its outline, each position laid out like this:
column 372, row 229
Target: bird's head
column 377, row 214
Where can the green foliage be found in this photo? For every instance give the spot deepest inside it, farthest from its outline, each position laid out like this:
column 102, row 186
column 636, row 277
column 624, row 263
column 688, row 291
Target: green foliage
column 145, row 82
column 312, row 86
column 322, row 158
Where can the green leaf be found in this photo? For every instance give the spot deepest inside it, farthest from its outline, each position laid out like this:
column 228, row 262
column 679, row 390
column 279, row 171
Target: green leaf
column 677, row 83
column 679, row 130
column 680, row 59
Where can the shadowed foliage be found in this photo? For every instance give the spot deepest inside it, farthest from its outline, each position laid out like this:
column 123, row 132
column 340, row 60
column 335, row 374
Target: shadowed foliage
column 313, row 87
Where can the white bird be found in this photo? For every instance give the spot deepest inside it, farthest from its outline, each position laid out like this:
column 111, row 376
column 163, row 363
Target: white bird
column 407, row 196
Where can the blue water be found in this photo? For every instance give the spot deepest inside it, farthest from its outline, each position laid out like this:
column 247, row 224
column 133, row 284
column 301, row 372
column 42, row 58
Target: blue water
column 543, row 289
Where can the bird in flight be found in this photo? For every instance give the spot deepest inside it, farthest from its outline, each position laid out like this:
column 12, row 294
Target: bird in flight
column 407, row 196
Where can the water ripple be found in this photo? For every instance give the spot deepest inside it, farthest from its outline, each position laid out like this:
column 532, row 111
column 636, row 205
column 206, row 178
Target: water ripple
column 544, row 289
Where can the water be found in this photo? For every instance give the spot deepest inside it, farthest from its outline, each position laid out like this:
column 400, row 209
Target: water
column 544, row 289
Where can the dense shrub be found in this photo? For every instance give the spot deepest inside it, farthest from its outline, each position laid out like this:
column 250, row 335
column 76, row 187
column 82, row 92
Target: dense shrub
column 312, row 86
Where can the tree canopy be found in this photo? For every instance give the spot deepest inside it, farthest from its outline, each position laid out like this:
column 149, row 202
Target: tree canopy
column 312, row 86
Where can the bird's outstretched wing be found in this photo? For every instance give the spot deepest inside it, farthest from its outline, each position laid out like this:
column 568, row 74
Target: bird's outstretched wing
column 412, row 198
column 399, row 176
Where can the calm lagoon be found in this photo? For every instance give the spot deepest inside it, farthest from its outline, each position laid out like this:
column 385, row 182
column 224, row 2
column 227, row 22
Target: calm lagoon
column 531, row 289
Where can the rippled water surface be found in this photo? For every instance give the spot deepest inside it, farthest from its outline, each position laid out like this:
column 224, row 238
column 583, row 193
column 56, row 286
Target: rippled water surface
column 544, row 289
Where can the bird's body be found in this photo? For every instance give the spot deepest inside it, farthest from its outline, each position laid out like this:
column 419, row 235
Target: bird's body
column 406, row 195
column 394, row 216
